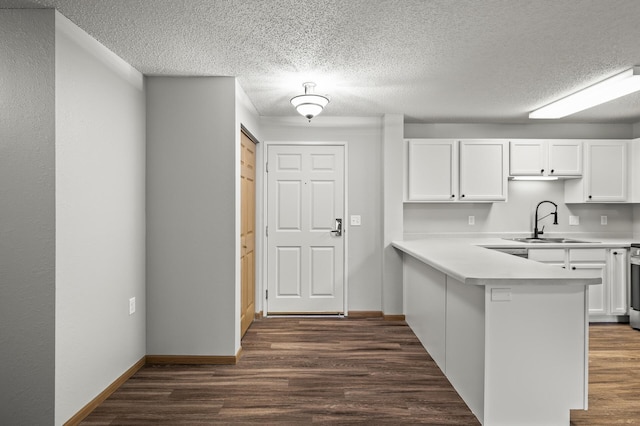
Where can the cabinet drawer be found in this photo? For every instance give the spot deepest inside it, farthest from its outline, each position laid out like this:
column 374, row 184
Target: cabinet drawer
column 587, row 255
column 546, row 255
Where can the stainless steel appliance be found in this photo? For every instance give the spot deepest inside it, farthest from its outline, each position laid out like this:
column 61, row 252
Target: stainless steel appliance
column 634, row 311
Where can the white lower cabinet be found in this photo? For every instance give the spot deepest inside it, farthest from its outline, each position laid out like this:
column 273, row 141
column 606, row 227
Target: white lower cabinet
column 608, row 300
column 619, row 279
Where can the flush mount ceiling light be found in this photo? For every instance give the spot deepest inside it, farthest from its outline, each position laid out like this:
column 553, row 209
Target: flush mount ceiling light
column 607, row 90
column 309, row 105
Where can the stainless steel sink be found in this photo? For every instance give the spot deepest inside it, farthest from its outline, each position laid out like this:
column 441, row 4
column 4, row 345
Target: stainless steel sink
column 548, row 240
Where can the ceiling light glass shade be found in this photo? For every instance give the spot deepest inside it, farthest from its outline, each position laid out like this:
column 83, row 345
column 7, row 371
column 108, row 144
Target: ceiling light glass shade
column 309, row 105
column 607, row 90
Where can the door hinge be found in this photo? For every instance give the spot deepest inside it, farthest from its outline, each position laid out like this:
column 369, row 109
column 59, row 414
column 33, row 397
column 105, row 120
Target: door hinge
column 267, row 167
column 267, row 294
column 266, row 231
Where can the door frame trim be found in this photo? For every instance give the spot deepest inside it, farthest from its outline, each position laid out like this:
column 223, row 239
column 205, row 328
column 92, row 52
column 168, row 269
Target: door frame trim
column 263, row 216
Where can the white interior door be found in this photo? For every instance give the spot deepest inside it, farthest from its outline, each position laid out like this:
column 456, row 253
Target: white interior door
column 305, row 200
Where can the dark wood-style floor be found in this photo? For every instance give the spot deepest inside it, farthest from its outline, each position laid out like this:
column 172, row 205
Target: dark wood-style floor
column 297, row 371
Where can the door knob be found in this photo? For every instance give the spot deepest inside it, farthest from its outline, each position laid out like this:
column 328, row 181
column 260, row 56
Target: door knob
column 338, row 229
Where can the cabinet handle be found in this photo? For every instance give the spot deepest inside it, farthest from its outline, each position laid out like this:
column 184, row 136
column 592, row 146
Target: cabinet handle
column 462, row 195
column 615, row 253
column 573, row 267
column 552, row 170
column 453, row 195
column 541, row 171
column 590, row 197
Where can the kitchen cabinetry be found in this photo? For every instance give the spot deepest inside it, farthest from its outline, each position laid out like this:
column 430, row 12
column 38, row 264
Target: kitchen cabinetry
column 634, row 172
column 619, row 278
column 606, row 301
column 454, row 171
column 605, row 177
column 433, row 170
column 561, row 158
column 592, row 262
column 483, row 170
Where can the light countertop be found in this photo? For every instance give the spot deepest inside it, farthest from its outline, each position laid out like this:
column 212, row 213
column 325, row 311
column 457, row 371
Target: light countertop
column 471, row 261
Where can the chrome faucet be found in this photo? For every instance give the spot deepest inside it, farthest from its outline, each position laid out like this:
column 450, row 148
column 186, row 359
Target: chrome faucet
column 536, row 232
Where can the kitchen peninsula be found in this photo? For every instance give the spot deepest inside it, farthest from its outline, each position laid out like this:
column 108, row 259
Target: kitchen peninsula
column 510, row 334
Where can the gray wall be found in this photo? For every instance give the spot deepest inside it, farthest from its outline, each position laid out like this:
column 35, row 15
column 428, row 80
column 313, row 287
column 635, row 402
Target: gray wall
column 364, row 147
column 192, row 252
column 100, row 218
column 247, row 116
column 27, row 217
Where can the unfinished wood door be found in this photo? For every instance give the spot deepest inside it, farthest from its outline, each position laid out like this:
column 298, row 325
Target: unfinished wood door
column 247, row 232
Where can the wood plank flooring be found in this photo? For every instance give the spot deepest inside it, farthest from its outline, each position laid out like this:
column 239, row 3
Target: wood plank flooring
column 298, row 371
column 614, row 377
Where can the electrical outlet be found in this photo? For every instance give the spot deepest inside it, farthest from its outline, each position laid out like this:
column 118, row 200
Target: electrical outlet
column 574, row 220
column 132, row 305
column 472, row 220
column 356, row 220
column 603, row 220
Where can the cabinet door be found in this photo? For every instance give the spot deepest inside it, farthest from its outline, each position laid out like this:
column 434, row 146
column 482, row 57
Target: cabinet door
column 565, row 158
column 598, row 297
column 527, row 158
column 606, row 171
column 618, row 279
column 432, row 170
column 483, row 174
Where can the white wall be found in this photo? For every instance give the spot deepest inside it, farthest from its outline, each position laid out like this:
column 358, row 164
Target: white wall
column 364, row 138
column 100, row 218
column 533, row 131
column 393, row 176
column 192, row 252
column 27, row 216
column 517, row 215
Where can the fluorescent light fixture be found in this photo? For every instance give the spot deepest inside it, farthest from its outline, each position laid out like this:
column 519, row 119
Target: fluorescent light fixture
column 607, row 90
column 534, row 178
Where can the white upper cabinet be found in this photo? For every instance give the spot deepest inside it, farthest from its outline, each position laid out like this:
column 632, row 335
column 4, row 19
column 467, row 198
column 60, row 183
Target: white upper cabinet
column 527, row 158
column 605, row 174
column 483, row 170
column 545, row 158
column 448, row 170
column 634, row 172
column 433, row 170
column 565, row 158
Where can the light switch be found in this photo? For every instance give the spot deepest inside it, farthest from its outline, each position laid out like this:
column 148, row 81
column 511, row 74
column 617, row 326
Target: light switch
column 603, row 220
column 574, row 220
column 472, row 220
column 356, row 220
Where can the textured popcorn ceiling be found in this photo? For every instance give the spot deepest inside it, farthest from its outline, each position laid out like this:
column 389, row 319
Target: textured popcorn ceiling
column 431, row 60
